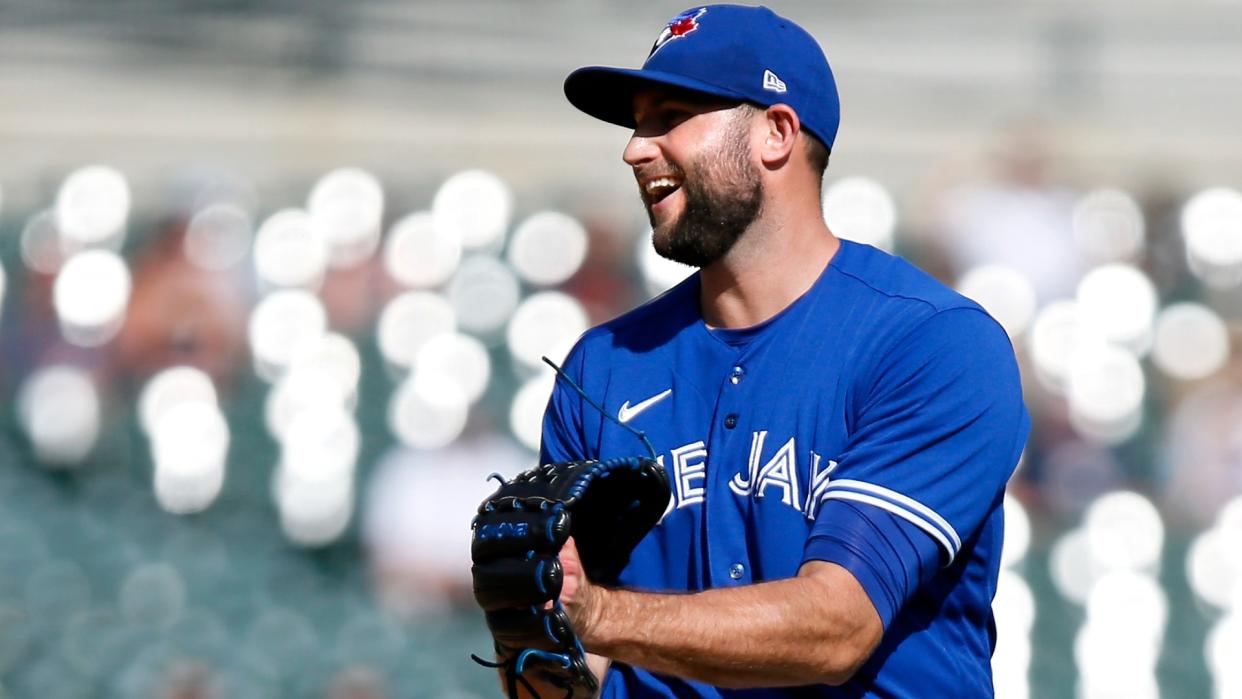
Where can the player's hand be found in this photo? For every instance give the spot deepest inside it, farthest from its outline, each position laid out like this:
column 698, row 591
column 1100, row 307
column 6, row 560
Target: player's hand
column 579, row 596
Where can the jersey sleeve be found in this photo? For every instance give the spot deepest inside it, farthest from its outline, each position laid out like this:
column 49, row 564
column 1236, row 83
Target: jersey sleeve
column 888, row 556
column 563, row 436
column 938, row 430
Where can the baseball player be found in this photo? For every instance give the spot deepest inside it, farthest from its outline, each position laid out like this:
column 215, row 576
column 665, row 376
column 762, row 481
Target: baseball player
column 838, row 427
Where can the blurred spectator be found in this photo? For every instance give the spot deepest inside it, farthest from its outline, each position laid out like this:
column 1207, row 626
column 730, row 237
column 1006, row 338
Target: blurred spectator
column 1015, row 215
column 180, row 313
column 605, row 282
column 416, row 519
column 1164, row 257
column 353, row 296
column 1203, row 448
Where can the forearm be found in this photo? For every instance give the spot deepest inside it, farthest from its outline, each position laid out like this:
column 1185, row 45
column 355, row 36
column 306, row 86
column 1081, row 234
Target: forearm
column 803, row 630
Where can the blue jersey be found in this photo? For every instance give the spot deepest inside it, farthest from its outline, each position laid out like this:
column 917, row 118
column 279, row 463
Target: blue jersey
column 878, row 390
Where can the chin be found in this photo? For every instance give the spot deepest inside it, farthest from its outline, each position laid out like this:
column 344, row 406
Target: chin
column 660, row 228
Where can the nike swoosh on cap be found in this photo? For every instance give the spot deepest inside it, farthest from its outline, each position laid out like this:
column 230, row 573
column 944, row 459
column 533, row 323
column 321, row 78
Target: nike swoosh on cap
column 629, row 412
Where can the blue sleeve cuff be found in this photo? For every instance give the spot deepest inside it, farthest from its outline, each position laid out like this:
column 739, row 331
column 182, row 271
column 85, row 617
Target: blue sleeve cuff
column 890, row 557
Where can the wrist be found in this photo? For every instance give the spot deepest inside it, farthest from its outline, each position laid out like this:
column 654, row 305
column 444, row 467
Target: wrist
column 589, row 621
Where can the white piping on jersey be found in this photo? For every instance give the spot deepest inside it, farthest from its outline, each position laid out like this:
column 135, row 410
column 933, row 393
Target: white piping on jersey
column 900, row 512
column 909, row 502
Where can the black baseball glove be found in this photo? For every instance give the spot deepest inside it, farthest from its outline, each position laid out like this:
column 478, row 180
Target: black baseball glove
column 608, row 507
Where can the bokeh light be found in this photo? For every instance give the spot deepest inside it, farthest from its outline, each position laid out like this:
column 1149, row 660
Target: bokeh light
column 281, row 326
column 335, row 355
column 1120, row 302
column 1017, row 532
column 1191, row 341
column 314, row 516
column 1211, row 221
column 1119, row 645
column 1222, row 649
column 408, row 322
column 319, row 446
column 291, row 250
column 300, row 389
column 861, row 210
column 92, row 206
column 659, row 273
column 545, row 324
column 526, row 410
column 1212, row 569
column 484, row 293
column 172, row 387
column 314, row 483
column 218, row 237
column 1004, row 293
column 1108, row 226
column 1056, row 337
column 90, row 295
column 1113, row 665
column 1124, row 532
column 1014, row 604
column 60, row 410
column 41, row 244
column 1073, row 568
column 420, row 255
column 189, row 445
column 474, row 207
column 428, row 411
column 1014, row 609
column 348, row 203
column 153, row 596
column 548, row 248
column 460, row 358
column 1105, row 392
column 1129, row 604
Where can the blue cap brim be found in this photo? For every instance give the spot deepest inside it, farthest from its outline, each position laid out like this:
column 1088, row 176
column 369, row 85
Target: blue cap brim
column 608, row 93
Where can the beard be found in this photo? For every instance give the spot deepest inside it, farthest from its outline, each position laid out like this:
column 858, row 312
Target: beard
column 723, row 195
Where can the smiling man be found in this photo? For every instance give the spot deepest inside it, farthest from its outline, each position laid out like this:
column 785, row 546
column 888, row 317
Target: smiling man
column 838, row 427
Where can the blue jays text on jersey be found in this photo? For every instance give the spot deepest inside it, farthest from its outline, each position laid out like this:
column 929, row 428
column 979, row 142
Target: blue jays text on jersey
column 878, row 388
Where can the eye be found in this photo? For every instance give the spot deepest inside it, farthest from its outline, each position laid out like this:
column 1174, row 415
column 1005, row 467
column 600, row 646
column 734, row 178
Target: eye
column 676, row 115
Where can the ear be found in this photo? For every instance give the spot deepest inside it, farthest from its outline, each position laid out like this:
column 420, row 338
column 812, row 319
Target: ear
column 781, row 127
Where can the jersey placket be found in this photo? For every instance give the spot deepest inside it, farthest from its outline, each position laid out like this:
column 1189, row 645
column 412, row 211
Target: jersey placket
column 725, row 513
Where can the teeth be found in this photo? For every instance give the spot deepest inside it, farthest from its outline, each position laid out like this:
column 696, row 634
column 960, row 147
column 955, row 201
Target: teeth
column 660, row 183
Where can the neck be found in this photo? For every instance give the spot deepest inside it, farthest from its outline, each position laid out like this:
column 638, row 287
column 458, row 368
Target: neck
column 771, row 265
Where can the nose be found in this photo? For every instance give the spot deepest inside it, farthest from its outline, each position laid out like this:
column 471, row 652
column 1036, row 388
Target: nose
column 640, row 149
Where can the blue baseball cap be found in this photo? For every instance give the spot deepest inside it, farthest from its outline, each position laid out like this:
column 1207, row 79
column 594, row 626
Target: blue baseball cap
column 735, row 52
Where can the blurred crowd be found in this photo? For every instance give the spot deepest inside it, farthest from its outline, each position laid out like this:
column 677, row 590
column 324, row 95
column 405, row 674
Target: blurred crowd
column 240, row 425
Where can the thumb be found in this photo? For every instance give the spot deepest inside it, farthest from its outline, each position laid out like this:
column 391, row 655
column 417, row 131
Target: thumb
column 571, row 561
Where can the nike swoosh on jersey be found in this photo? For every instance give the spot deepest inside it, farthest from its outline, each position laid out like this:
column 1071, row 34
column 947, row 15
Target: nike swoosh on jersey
column 629, row 412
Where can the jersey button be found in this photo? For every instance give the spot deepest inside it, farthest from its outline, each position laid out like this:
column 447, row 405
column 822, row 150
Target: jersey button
column 736, row 374
column 736, row 571
column 730, row 421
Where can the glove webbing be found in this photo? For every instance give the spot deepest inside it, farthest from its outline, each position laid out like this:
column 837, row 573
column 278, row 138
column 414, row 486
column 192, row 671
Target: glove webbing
column 514, row 667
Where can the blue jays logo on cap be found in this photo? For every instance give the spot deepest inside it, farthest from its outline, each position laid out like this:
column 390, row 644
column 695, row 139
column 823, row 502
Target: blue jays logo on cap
column 743, row 54
column 678, row 27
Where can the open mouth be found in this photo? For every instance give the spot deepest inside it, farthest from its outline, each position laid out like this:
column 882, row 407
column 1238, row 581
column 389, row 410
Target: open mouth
column 658, row 189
